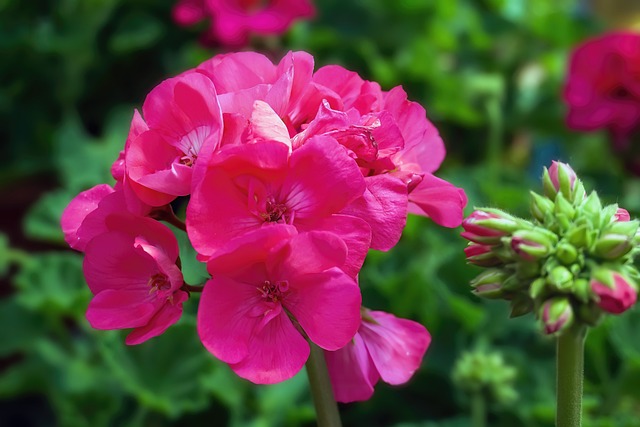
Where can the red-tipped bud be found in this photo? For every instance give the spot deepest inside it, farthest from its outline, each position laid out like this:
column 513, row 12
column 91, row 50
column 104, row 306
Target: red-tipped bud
column 560, row 178
column 622, row 215
column 531, row 245
column 556, row 315
column 614, row 293
column 487, row 227
column 481, row 255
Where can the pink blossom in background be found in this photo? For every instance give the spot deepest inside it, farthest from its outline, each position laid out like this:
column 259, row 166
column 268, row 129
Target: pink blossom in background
column 131, row 270
column 233, row 21
column 602, row 89
column 385, row 347
column 272, row 276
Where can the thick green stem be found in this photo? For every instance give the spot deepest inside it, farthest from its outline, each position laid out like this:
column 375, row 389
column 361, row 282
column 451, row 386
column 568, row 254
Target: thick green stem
column 569, row 373
column 478, row 410
column 323, row 400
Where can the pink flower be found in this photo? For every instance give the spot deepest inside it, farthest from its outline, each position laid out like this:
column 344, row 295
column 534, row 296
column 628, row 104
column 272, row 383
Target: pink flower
column 614, row 295
column 183, row 119
column 251, row 186
column 268, row 290
column 385, row 347
column 603, row 84
column 234, row 20
column 76, row 212
column 131, row 270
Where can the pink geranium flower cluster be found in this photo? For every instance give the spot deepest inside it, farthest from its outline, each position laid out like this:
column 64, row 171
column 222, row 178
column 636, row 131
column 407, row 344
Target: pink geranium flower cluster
column 602, row 89
column 232, row 21
column 290, row 176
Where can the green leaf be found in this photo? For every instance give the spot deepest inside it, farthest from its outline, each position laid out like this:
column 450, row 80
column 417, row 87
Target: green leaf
column 135, row 31
column 53, row 283
column 42, row 221
column 162, row 373
column 25, row 327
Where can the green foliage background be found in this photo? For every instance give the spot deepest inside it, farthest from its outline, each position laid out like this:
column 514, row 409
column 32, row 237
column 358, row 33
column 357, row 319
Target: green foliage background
column 489, row 73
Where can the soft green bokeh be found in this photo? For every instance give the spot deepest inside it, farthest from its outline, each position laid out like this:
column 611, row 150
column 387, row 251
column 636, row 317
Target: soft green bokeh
column 489, row 74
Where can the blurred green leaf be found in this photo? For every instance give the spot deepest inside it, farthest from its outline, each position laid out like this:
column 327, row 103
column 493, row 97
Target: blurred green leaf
column 53, row 283
column 162, row 373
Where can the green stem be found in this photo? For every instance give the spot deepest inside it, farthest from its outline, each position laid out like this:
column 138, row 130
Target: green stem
column 569, row 373
column 323, row 400
column 478, row 410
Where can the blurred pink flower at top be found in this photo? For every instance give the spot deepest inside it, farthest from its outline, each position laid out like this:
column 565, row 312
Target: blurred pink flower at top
column 385, row 347
column 603, row 84
column 232, row 21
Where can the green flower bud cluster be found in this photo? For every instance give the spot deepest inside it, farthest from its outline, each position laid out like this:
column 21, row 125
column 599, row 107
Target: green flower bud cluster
column 485, row 373
column 570, row 263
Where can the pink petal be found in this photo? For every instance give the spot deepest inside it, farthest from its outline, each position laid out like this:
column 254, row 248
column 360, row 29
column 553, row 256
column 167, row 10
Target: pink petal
column 384, row 207
column 111, row 262
column 233, row 72
column 439, row 200
column 422, row 143
column 189, row 12
column 266, row 124
column 355, row 233
column 119, row 309
column 323, row 179
column 276, row 353
column 248, row 248
column 306, row 253
column 166, row 316
column 352, row 372
column 396, row 346
column 77, row 210
column 225, row 323
column 327, row 306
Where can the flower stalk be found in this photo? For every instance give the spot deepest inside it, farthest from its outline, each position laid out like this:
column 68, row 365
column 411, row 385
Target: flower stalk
column 326, row 406
column 569, row 374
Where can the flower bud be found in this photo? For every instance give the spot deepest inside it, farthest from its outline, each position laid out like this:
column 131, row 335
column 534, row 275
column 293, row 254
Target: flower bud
column 541, row 207
column 622, row 215
column 566, row 253
column 581, row 236
column 613, row 292
column 559, row 178
column 487, row 226
column 531, row 245
column 560, row 278
column 564, row 207
column 537, row 288
column 616, row 240
column 556, row 315
column 521, row 305
column 489, row 283
column 481, row 255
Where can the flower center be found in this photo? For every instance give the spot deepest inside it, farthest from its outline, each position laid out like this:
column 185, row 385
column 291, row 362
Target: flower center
column 275, row 212
column 158, row 282
column 274, row 291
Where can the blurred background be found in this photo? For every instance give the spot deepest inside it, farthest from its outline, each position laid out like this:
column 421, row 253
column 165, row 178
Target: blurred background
column 490, row 74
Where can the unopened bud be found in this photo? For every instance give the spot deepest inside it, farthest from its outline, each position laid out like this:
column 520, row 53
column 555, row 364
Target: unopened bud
column 559, row 178
column 560, row 278
column 613, row 292
column 487, row 226
column 481, row 255
column 592, row 207
column 521, row 305
column 556, row 315
column 616, row 240
column 622, row 215
column 566, row 253
column 581, row 236
column 537, row 288
column 489, row 283
column 541, row 207
column 531, row 245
